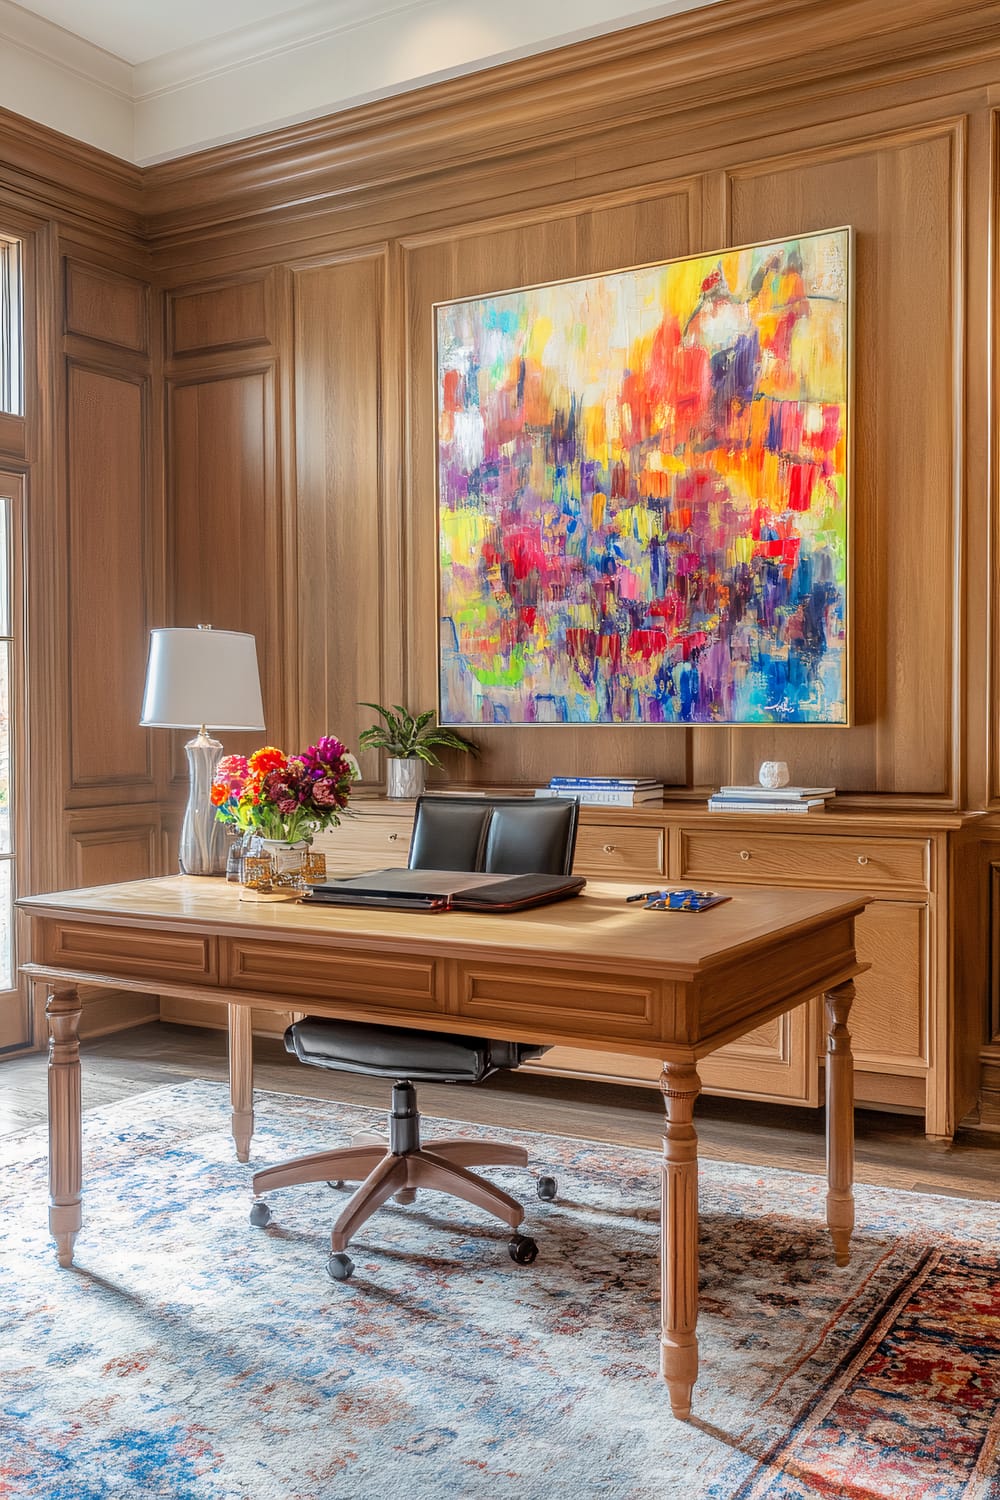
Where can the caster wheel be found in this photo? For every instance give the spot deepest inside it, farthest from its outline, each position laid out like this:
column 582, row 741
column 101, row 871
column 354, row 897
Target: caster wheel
column 340, row 1267
column 339, row 1186
column 546, row 1188
column 260, row 1215
column 522, row 1249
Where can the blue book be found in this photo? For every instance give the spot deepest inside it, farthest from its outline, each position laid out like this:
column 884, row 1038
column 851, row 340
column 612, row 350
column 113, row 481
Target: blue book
column 611, row 782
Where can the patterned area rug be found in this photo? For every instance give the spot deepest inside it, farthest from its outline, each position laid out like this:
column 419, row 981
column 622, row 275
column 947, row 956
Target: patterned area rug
column 192, row 1357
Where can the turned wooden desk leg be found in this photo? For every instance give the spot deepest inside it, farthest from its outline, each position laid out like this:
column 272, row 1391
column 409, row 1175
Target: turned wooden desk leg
column 65, row 1156
column 241, row 1077
column 681, row 1086
column 839, row 1121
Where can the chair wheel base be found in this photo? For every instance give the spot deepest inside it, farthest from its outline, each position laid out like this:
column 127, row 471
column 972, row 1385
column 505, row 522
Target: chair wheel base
column 546, row 1188
column 260, row 1215
column 522, row 1249
column 340, row 1267
column 338, row 1184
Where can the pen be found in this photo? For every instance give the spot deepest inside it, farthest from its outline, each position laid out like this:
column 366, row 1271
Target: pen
column 645, row 895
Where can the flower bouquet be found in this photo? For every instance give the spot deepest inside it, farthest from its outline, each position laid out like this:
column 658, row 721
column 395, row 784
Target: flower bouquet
column 284, row 799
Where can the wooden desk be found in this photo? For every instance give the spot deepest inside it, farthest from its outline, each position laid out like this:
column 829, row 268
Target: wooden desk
column 592, row 972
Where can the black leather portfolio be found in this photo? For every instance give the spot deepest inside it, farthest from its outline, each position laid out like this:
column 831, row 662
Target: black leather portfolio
column 445, row 890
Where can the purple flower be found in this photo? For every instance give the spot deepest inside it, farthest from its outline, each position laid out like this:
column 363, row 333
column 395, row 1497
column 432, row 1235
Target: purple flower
column 324, row 758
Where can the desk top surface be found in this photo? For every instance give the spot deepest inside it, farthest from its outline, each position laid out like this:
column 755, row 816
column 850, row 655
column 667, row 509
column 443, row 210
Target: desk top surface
column 598, row 925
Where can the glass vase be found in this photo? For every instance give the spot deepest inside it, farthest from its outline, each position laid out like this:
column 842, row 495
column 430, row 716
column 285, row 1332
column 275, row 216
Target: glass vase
column 285, row 856
column 241, row 845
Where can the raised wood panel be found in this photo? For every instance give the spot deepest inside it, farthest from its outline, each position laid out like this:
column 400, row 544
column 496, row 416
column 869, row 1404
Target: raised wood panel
column 349, row 602
column 899, row 192
column 519, row 253
column 107, row 307
column 167, row 955
column 226, row 524
column 13, row 436
column 889, row 1016
column 108, row 584
column 603, row 1004
column 775, row 1062
column 202, row 320
column 325, row 973
column 988, row 454
column 102, row 856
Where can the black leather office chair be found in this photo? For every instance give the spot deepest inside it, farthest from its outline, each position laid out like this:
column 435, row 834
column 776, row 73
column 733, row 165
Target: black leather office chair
column 512, row 836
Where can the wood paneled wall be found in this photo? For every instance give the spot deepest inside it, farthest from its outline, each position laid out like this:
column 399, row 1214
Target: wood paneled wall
column 861, row 115
column 92, row 784
column 234, row 404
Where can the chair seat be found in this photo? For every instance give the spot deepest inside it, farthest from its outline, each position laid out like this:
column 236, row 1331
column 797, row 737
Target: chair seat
column 400, row 1052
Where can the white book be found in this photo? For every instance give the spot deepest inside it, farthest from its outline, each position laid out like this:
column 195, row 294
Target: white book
column 603, row 797
column 756, row 805
column 775, row 794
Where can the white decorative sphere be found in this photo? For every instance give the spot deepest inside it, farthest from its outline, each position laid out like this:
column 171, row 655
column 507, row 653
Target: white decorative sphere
column 773, row 773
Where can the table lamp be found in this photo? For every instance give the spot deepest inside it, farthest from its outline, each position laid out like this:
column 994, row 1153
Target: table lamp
column 196, row 679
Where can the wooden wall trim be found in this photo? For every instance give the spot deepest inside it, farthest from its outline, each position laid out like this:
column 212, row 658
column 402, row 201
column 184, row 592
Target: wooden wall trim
column 723, row 58
column 55, row 174
column 991, row 416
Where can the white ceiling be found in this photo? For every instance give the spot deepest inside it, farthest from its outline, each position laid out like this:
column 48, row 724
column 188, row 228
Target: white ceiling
column 151, row 79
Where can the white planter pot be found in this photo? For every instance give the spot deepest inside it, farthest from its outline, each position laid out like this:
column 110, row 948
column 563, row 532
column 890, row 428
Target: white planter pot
column 405, row 778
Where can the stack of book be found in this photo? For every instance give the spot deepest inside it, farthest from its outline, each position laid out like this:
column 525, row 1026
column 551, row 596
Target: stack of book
column 605, row 791
column 786, row 799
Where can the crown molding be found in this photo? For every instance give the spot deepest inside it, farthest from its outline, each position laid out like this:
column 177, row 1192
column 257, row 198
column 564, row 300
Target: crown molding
column 260, row 41
column 322, row 56
column 68, row 178
column 62, row 49
column 730, row 54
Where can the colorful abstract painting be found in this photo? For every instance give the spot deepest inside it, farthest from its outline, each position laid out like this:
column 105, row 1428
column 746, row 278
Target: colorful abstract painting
column 643, row 487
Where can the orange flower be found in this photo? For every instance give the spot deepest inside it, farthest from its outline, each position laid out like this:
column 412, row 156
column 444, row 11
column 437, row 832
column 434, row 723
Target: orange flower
column 267, row 759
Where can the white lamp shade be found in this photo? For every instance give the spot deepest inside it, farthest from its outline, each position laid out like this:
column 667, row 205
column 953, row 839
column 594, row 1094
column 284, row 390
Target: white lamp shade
column 202, row 676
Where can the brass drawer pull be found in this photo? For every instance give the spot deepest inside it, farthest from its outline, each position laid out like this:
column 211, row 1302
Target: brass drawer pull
column 862, row 859
column 610, row 848
column 744, row 854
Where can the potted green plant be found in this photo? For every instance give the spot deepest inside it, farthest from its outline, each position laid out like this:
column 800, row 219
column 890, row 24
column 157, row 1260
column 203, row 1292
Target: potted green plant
column 410, row 742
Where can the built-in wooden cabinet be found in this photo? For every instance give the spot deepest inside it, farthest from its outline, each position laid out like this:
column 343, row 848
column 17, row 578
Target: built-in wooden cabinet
column 905, row 1037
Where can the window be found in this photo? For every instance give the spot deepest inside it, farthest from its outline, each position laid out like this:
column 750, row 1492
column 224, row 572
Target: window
column 7, row 678
column 15, row 1021
column 11, row 327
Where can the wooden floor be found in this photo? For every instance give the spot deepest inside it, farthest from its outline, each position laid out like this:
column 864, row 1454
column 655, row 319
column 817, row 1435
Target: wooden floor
column 891, row 1149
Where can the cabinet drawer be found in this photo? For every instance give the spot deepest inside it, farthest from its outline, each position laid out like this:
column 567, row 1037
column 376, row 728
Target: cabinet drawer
column 854, row 861
column 611, row 849
column 106, row 949
column 365, row 843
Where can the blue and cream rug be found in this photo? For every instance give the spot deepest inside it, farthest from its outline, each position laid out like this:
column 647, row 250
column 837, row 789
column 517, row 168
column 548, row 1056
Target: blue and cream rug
column 189, row 1356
